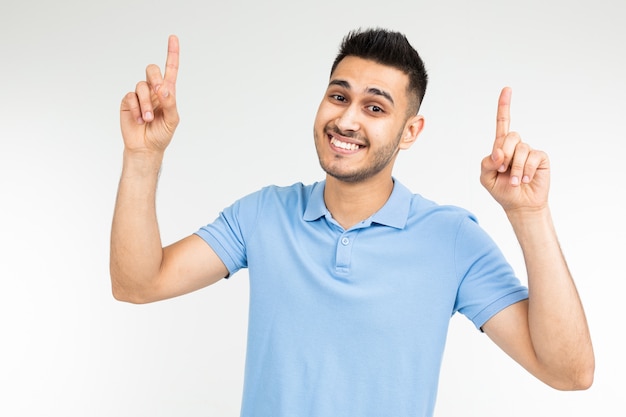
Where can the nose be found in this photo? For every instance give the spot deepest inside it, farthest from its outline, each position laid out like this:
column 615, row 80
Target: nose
column 348, row 119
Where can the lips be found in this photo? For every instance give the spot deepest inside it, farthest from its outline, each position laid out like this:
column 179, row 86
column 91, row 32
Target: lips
column 344, row 145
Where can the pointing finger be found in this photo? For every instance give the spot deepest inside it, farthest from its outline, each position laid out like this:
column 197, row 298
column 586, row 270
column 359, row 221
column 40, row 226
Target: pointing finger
column 167, row 92
column 171, row 63
column 503, row 117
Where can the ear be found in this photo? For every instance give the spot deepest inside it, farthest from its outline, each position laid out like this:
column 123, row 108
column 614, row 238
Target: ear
column 412, row 129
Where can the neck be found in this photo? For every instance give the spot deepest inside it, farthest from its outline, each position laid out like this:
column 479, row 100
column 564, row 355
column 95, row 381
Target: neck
column 351, row 203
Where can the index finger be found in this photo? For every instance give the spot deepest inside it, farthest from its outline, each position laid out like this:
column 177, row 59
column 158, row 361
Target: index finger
column 503, row 117
column 171, row 63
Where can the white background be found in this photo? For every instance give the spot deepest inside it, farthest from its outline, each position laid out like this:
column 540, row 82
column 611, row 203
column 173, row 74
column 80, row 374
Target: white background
column 252, row 74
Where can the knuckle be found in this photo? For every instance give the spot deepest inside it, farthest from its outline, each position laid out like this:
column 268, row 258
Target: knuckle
column 129, row 97
column 517, row 166
column 515, row 137
column 523, row 147
column 536, row 158
column 141, row 85
column 519, row 161
column 153, row 74
column 129, row 101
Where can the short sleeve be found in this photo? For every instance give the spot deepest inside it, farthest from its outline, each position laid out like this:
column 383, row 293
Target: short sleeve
column 228, row 233
column 487, row 282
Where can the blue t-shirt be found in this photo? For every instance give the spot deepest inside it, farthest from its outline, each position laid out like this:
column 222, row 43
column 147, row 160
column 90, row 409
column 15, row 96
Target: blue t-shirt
column 354, row 322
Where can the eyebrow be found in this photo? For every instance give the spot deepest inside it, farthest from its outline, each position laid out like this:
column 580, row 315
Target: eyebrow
column 371, row 90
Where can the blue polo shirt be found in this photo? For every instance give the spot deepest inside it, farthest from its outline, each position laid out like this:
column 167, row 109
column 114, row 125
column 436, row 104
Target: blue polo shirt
column 354, row 322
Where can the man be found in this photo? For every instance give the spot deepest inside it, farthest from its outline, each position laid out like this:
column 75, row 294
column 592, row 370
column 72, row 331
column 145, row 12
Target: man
column 353, row 279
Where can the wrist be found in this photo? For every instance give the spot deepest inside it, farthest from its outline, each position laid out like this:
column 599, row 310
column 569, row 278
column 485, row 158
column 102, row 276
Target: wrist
column 528, row 213
column 531, row 223
column 142, row 162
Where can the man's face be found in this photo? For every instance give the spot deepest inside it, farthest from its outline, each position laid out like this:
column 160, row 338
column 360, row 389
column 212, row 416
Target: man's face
column 362, row 120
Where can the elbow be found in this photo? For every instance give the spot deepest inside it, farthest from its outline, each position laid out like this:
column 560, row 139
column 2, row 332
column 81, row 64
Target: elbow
column 118, row 290
column 584, row 378
column 586, row 383
column 125, row 293
column 128, row 297
column 120, row 294
column 579, row 379
column 585, row 373
column 580, row 383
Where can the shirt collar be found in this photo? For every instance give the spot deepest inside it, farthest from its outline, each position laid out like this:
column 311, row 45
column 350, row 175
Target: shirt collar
column 315, row 207
column 394, row 213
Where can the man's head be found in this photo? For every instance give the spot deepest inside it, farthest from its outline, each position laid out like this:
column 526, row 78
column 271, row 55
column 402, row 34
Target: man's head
column 391, row 49
column 369, row 111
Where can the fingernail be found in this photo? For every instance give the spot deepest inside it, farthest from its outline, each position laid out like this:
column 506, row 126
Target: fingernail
column 148, row 116
column 502, row 168
column 525, row 179
column 514, row 180
column 165, row 93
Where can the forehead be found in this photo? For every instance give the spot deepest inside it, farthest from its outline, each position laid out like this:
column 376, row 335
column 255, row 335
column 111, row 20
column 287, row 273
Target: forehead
column 364, row 74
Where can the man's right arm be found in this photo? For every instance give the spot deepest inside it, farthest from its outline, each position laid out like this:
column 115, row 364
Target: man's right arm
column 141, row 269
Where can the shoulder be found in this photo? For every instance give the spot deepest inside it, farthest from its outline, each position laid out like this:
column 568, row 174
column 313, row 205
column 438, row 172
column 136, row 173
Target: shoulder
column 423, row 209
column 279, row 193
column 455, row 224
column 273, row 198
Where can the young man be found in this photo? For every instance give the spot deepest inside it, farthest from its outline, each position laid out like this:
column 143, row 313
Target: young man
column 353, row 279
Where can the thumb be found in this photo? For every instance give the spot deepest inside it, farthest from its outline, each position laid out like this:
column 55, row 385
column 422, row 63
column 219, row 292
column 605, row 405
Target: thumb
column 490, row 166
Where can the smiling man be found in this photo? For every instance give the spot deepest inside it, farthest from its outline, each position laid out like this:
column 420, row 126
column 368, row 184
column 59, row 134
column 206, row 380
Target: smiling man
column 367, row 116
column 353, row 279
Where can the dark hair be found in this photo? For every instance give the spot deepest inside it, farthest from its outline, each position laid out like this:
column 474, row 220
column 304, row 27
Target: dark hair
column 388, row 48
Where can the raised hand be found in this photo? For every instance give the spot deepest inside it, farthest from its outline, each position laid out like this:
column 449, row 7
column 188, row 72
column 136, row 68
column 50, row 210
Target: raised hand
column 517, row 176
column 148, row 116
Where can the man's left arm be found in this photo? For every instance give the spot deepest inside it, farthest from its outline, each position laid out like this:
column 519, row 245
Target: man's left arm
column 548, row 333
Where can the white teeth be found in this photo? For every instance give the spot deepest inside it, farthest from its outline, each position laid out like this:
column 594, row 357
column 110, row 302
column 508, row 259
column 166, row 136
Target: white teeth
column 344, row 145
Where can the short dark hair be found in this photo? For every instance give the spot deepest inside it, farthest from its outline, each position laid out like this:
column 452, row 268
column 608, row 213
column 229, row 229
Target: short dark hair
column 388, row 48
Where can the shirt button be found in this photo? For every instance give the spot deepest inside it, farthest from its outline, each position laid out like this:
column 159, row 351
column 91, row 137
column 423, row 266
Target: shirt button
column 345, row 241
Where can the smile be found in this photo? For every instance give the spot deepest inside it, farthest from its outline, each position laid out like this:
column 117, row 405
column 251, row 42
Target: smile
column 344, row 145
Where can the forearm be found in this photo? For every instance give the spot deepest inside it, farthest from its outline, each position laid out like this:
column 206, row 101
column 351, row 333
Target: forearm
column 557, row 324
column 136, row 249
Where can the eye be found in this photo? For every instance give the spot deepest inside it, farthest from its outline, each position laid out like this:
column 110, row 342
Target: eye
column 375, row 109
column 338, row 97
